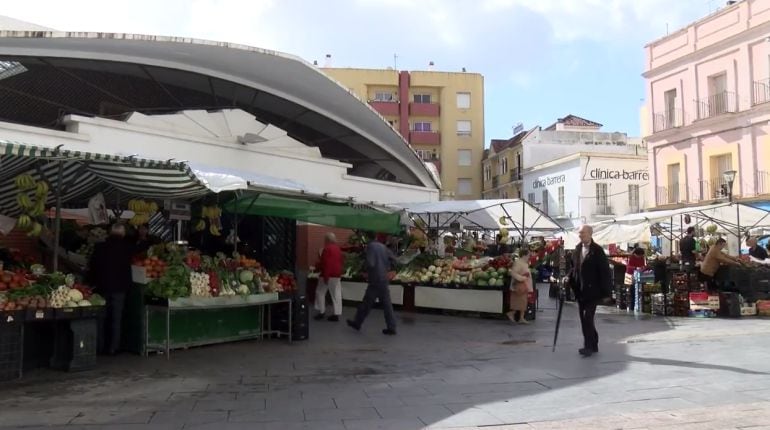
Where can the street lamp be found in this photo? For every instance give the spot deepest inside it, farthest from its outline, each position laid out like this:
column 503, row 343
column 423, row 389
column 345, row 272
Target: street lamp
column 729, row 177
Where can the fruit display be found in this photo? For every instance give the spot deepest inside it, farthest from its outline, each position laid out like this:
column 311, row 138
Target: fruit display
column 143, row 211
column 213, row 214
column 31, row 199
column 39, row 291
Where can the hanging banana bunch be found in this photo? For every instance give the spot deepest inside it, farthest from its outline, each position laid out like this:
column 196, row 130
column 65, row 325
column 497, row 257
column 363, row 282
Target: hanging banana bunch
column 31, row 208
column 143, row 211
column 213, row 214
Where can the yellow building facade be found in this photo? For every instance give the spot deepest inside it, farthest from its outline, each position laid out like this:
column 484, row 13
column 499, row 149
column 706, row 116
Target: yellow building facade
column 440, row 114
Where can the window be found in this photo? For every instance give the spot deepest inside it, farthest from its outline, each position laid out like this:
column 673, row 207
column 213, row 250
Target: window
column 463, row 100
column 463, row 128
column 503, row 165
column 464, row 186
column 673, row 183
column 719, row 100
column 602, row 199
column 427, row 155
column 545, row 202
column 669, row 98
column 719, row 165
column 421, row 126
column 464, row 157
column 531, row 198
column 384, row 97
column 487, row 172
column 633, row 198
column 422, row 98
column 561, row 201
column 504, row 195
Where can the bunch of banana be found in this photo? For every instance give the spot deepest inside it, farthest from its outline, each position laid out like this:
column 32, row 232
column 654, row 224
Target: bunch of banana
column 25, row 182
column 31, row 208
column 143, row 211
column 212, row 213
column 200, row 225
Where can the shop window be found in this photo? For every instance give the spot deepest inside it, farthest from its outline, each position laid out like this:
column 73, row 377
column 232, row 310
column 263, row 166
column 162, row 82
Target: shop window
column 561, row 201
column 545, row 202
column 531, row 198
column 602, row 197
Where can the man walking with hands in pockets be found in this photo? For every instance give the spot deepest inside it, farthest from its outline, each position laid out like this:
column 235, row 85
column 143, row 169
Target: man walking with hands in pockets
column 591, row 282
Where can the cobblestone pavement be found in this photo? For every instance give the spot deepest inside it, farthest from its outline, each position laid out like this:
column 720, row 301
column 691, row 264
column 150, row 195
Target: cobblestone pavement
column 439, row 372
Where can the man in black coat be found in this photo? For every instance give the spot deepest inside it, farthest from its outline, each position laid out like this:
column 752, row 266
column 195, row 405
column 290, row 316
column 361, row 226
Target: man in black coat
column 110, row 270
column 591, row 281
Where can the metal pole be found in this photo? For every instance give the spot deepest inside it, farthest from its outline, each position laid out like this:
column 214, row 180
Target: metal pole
column 738, row 220
column 57, row 220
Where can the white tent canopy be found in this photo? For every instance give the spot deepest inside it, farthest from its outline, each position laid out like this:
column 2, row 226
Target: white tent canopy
column 612, row 233
column 516, row 215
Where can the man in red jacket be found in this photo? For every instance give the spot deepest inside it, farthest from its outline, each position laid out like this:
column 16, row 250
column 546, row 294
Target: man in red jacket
column 330, row 268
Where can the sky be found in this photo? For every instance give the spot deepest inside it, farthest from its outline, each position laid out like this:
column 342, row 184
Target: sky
column 541, row 59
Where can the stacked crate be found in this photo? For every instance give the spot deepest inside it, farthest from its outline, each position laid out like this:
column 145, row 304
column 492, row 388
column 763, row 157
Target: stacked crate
column 683, row 285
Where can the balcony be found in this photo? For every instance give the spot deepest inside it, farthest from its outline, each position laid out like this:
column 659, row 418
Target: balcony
column 673, row 118
column 717, row 188
column 718, row 104
column 761, row 92
column 515, row 174
column 425, row 138
column 385, row 108
column 424, row 109
column 603, row 209
column 670, row 195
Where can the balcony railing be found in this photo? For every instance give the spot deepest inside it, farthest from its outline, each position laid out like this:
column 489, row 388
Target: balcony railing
column 424, row 109
column 670, row 195
column 761, row 92
column 716, row 188
column 602, row 209
column 385, row 108
column 763, row 183
column 424, row 138
column 515, row 174
column 717, row 104
column 665, row 121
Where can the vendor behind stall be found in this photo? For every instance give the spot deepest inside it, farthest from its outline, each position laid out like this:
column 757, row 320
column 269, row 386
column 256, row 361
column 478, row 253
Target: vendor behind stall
column 144, row 240
column 687, row 247
column 755, row 250
column 714, row 259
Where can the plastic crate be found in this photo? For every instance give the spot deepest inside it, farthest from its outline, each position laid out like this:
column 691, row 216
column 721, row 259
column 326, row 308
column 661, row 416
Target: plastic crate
column 66, row 313
column 12, row 317
column 75, row 345
column 10, row 351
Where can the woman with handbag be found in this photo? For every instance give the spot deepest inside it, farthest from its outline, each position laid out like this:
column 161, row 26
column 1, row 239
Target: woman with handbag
column 521, row 286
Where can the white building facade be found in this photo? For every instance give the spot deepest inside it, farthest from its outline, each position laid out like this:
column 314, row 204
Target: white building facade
column 588, row 187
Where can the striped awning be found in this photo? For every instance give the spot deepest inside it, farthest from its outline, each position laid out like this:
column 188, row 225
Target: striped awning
column 85, row 173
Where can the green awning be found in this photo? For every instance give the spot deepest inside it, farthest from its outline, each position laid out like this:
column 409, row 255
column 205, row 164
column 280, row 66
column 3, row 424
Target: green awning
column 317, row 211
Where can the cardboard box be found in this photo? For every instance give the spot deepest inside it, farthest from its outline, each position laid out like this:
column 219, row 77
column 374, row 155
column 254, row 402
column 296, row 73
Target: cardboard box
column 749, row 310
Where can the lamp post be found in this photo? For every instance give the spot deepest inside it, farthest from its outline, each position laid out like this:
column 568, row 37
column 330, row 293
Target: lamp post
column 729, row 177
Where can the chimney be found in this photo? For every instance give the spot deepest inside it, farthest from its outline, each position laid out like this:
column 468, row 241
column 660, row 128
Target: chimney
column 430, row 65
column 328, row 62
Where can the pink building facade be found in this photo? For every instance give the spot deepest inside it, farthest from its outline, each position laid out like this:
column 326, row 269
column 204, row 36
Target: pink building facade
column 707, row 107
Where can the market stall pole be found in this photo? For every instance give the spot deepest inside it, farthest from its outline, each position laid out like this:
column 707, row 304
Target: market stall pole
column 562, row 292
column 57, row 220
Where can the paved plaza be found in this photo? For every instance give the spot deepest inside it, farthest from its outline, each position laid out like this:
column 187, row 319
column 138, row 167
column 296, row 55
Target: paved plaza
column 439, row 372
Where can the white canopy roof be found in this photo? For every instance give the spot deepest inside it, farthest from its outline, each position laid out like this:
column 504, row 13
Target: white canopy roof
column 726, row 214
column 517, row 215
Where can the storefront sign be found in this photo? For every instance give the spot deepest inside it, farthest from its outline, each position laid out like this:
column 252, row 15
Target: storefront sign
column 629, row 175
column 549, row 180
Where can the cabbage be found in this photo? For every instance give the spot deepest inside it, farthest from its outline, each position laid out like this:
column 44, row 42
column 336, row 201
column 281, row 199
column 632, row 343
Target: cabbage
column 97, row 300
column 246, row 276
column 74, row 296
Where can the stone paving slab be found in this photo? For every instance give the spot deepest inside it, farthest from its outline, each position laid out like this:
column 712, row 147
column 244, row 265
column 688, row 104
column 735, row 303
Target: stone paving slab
column 439, row 372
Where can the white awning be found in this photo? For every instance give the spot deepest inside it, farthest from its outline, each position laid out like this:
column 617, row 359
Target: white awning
column 220, row 179
column 482, row 215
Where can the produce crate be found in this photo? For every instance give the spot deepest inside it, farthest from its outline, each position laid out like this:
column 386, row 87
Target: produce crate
column 702, row 313
column 66, row 313
column 92, row 312
column 75, row 345
column 749, row 310
column 39, row 314
column 763, row 308
column 10, row 351
column 12, row 317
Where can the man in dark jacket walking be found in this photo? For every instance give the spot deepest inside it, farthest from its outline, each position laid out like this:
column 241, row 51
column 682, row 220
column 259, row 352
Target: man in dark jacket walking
column 379, row 260
column 110, row 270
column 591, row 281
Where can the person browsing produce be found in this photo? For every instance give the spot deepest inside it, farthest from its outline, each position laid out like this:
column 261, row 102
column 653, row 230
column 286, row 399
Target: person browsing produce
column 330, row 268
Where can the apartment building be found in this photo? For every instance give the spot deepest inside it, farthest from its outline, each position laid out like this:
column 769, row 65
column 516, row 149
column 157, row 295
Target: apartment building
column 502, row 168
column 440, row 114
column 707, row 107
